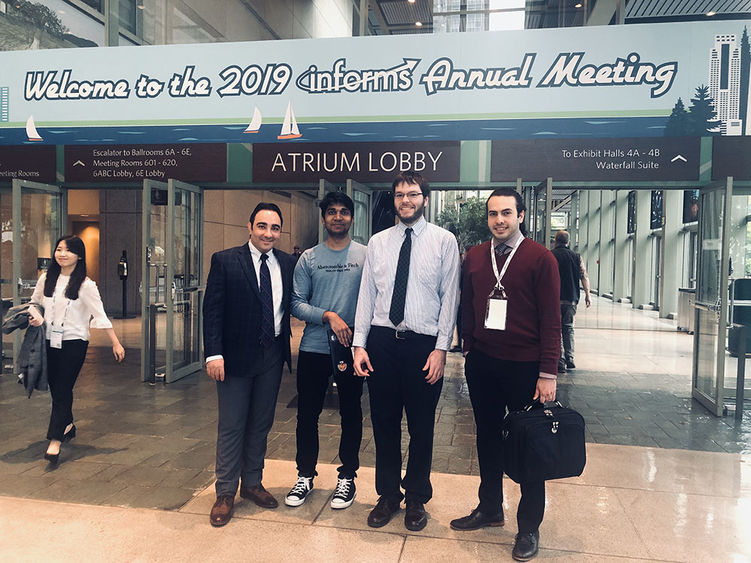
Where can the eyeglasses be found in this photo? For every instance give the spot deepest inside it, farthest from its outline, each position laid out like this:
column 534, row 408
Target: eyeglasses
column 411, row 195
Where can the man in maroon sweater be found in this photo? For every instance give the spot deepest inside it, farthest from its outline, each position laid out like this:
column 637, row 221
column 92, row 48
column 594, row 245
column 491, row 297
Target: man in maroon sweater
column 511, row 353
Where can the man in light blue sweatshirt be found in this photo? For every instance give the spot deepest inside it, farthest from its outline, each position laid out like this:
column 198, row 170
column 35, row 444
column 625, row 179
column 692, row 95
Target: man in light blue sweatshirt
column 324, row 295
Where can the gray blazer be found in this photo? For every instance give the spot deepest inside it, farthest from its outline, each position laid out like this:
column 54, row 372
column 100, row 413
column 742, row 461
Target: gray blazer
column 31, row 364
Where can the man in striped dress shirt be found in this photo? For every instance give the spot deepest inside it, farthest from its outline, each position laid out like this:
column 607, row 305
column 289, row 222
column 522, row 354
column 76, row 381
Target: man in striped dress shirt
column 405, row 319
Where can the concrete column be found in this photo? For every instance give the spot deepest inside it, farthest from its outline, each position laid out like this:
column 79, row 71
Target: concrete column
column 583, row 247
column 607, row 223
column 595, row 214
column 573, row 223
column 622, row 258
column 641, row 270
column 672, row 249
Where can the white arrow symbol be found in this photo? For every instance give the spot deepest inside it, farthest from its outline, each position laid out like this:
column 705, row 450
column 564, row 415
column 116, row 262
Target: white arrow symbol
column 79, row 163
column 678, row 157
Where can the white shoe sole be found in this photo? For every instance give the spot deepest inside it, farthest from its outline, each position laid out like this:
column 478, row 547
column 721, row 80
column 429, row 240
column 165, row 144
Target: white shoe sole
column 340, row 505
column 296, row 501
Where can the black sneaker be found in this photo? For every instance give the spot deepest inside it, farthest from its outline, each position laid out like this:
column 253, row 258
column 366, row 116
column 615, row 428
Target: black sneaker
column 345, row 493
column 570, row 364
column 299, row 492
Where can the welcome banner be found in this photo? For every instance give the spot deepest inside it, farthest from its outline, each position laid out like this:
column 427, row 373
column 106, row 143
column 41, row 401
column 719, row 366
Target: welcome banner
column 610, row 81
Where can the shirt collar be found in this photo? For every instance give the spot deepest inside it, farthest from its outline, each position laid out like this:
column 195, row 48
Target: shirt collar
column 256, row 254
column 514, row 240
column 417, row 228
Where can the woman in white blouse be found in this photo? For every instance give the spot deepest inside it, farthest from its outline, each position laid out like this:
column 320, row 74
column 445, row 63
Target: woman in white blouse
column 71, row 304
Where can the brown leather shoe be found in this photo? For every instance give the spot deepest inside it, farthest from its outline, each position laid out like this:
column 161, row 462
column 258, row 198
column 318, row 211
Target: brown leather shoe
column 221, row 512
column 259, row 495
column 383, row 512
column 415, row 518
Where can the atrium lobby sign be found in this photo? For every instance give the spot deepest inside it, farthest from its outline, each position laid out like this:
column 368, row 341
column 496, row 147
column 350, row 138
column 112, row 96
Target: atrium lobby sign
column 364, row 162
column 597, row 82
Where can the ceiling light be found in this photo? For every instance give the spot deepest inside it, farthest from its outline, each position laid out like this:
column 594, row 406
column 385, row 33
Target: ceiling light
column 418, row 24
column 578, row 5
column 411, row 1
column 710, row 14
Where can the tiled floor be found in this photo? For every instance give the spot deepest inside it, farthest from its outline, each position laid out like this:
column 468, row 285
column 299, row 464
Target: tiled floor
column 665, row 480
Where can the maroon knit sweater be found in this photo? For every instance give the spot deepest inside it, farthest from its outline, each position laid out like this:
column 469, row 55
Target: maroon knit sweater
column 533, row 320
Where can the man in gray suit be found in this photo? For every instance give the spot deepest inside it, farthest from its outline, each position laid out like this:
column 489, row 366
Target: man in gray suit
column 246, row 337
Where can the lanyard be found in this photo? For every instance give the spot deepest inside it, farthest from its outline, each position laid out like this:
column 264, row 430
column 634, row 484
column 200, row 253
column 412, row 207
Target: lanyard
column 499, row 277
column 52, row 312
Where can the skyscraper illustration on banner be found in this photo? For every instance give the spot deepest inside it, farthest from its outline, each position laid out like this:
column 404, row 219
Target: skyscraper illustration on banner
column 4, row 103
column 725, row 83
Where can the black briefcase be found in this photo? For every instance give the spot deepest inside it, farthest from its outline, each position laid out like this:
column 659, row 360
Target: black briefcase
column 543, row 442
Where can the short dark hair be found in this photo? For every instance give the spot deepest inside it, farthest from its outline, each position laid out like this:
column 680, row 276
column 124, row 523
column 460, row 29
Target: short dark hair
column 412, row 177
column 266, row 206
column 510, row 192
column 562, row 238
column 333, row 198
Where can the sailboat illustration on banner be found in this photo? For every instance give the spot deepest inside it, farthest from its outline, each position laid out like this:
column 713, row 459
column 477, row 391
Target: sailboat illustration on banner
column 255, row 122
column 31, row 130
column 289, row 127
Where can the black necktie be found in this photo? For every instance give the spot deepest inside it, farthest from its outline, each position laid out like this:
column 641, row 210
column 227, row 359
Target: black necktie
column 267, row 304
column 396, row 313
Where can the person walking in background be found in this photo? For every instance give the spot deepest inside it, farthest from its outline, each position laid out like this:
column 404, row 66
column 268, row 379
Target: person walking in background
column 571, row 270
column 71, row 305
column 246, row 336
column 406, row 312
column 326, row 283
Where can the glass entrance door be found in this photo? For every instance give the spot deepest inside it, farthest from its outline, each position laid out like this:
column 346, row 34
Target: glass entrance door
column 711, row 306
column 172, row 283
column 362, row 195
column 37, row 219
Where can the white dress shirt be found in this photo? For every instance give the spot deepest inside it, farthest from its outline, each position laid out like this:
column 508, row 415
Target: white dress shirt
column 277, row 289
column 75, row 316
column 432, row 288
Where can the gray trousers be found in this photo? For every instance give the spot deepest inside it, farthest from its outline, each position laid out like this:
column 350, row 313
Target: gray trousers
column 246, row 414
column 567, row 332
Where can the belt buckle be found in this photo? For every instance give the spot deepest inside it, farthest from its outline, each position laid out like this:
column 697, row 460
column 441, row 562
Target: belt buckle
column 396, row 334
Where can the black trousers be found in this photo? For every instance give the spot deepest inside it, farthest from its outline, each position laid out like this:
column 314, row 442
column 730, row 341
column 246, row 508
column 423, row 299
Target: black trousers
column 398, row 384
column 313, row 373
column 247, row 402
column 63, row 366
column 495, row 385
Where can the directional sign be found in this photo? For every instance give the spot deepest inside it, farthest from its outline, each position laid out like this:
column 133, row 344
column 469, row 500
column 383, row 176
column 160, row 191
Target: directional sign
column 194, row 162
column 438, row 161
column 592, row 160
column 27, row 163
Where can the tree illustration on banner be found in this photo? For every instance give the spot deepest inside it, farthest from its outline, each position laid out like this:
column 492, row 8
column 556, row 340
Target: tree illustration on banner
column 702, row 114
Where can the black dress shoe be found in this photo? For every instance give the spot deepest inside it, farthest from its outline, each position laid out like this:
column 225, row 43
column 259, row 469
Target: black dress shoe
column 525, row 546
column 52, row 458
column 570, row 364
column 415, row 519
column 383, row 512
column 477, row 520
column 562, row 368
column 70, row 434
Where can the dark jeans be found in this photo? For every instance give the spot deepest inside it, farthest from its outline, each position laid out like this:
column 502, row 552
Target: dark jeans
column 495, row 385
column 567, row 333
column 63, row 366
column 313, row 372
column 398, row 384
column 247, row 402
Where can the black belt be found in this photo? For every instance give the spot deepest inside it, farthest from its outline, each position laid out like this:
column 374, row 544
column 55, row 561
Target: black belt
column 401, row 334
